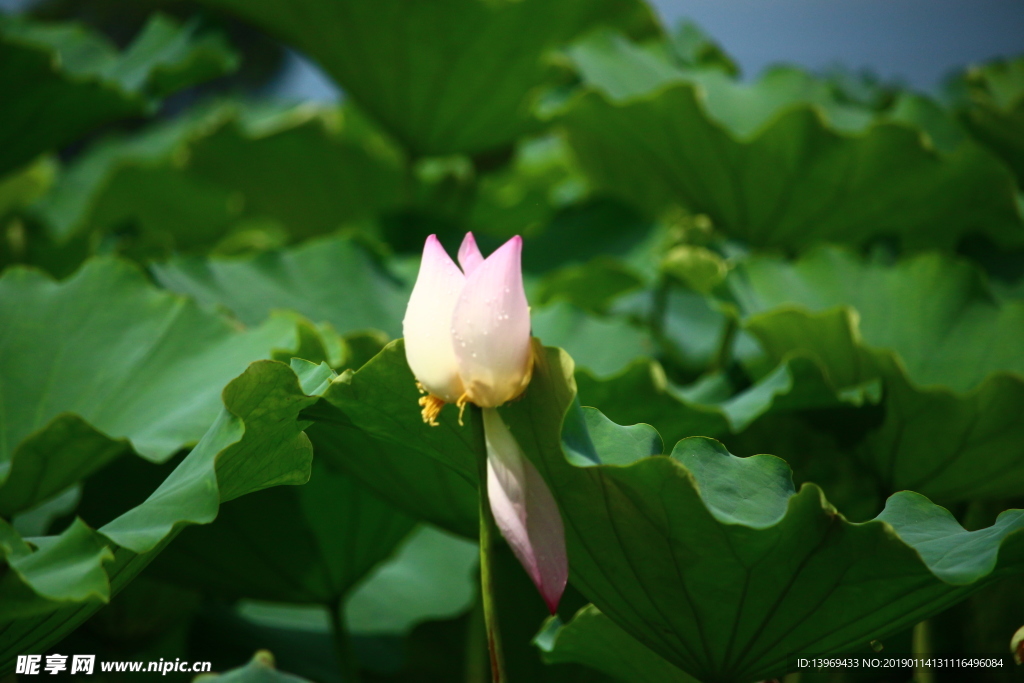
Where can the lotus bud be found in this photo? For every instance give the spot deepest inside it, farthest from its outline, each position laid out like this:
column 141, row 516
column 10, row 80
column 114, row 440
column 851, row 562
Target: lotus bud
column 467, row 331
column 525, row 511
column 467, row 340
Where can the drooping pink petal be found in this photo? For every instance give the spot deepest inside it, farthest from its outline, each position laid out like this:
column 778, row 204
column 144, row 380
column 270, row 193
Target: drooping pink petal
column 427, row 323
column 525, row 511
column 491, row 329
column 469, row 254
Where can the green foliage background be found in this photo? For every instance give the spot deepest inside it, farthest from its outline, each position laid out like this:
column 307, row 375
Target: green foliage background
column 209, row 438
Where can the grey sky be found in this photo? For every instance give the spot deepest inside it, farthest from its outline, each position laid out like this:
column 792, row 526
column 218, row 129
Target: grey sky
column 917, row 40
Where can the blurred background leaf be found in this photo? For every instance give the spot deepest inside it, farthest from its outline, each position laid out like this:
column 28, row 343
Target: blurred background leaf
column 51, row 70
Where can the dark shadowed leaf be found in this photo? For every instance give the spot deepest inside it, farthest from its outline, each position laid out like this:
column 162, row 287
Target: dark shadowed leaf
column 255, row 443
column 945, row 351
column 61, row 81
column 326, row 536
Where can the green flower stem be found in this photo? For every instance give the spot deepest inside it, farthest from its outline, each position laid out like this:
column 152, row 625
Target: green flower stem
column 923, row 648
column 478, row 665
column 488, row 532
column 348, row 665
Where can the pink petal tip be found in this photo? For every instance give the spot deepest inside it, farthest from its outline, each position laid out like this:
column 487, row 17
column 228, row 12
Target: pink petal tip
column 469, row 254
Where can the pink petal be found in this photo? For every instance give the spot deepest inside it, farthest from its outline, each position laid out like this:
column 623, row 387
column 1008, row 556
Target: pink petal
column 491, row 329
column 427, row 323
column 525, row 511
column 469, row 254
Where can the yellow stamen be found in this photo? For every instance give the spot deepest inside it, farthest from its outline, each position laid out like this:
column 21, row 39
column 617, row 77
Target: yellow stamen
column 461, row 403
column 431, row 406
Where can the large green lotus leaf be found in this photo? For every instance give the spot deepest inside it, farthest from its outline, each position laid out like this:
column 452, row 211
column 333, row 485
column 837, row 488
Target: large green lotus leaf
column 718, row 565
column 102, row 363
column 61, row 81
column 947, row 354
column 444, row 77
column 596, row 641
column 994, row 111
column 335, row 279
column 429, row 474
column 368, row 422
column 714, row 562
column 327, row 535
column 775, row 163
column 255, row 443
column 215, row 175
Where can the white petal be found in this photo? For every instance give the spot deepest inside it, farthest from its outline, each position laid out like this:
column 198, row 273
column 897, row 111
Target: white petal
column 491, row 329
column 469, row 254
column 427, row 323
column 525, row 511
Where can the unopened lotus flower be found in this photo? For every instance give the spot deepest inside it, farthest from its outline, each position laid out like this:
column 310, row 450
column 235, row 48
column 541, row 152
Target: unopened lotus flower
column 467, row 332
column 467, row 340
